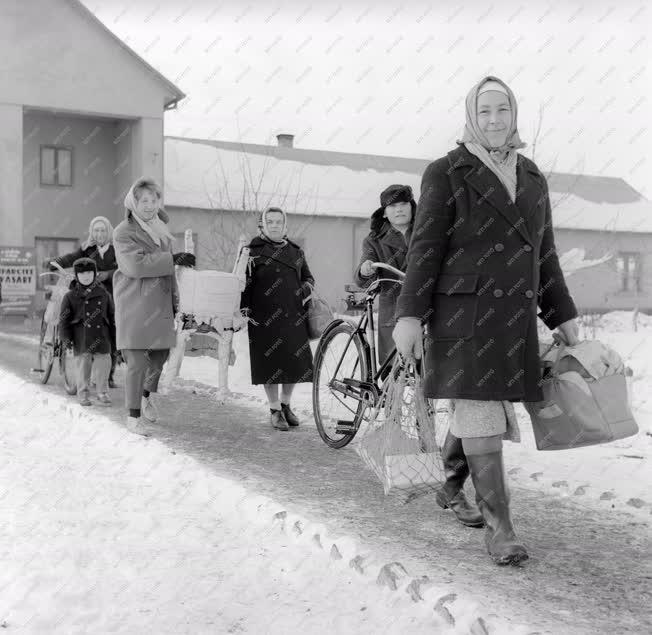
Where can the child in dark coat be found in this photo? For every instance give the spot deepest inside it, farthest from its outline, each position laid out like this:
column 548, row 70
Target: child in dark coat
column 87, row 324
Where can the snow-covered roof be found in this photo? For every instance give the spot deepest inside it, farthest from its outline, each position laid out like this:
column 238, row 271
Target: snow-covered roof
column 225, row 175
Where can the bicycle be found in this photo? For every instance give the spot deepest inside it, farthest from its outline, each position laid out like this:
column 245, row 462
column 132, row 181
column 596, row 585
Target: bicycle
column 51, row 347
column 357, row 389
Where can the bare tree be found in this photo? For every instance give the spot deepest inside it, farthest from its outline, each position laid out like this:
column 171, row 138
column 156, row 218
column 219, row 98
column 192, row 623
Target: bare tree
column 242, row 193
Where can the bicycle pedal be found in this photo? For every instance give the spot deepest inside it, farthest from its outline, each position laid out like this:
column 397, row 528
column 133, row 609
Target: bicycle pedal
column 345, row 427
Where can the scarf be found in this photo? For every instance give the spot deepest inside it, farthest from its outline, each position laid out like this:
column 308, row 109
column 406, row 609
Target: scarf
column 103, row 249
column 504, row 170
column 155, row 228
column 473, row 133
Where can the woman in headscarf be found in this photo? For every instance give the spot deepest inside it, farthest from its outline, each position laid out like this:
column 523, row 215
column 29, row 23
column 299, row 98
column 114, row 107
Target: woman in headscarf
column 146, row 297
column 482, row 257
column 278, row 284
column 99, row 248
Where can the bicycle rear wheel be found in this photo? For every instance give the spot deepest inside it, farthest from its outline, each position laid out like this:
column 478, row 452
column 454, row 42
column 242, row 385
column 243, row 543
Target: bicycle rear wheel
column 68, row 369
column 329, row 405
column 46, row 351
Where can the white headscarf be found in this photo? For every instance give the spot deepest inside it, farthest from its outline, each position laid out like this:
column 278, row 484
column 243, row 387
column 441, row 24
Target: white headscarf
column 109, row 228
column 262, row 225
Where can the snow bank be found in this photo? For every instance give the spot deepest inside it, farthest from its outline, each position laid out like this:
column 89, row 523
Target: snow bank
column 105, row 531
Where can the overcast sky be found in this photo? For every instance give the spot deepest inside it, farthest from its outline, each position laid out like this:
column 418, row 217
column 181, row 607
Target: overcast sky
column 391, row 77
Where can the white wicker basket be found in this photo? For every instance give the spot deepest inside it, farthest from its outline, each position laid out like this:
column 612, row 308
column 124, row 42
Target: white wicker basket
column 208, row 295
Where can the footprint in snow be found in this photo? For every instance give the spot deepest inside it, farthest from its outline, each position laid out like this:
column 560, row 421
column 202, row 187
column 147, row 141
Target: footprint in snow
column 607, row 496
column 535, row 475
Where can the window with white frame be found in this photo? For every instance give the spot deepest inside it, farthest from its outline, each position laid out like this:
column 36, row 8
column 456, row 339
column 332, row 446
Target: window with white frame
column 628, row 264
column 56, row 165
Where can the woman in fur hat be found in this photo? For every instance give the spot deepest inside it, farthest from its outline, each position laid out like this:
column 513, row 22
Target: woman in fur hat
column 278, row 283
column 481, row 260
column 388, row 240
column 391, row 227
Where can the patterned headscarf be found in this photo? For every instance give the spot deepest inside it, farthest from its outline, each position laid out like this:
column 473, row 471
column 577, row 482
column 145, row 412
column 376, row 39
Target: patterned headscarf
column 473, row 133
column 476, row 142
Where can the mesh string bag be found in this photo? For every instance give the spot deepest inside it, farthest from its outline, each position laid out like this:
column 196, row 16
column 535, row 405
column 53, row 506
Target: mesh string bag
column 399, row 441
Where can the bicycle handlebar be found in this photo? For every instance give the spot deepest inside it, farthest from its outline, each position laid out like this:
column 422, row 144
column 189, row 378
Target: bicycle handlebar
column 394, row 270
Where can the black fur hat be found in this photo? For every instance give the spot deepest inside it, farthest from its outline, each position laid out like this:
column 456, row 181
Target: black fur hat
column 84, row 264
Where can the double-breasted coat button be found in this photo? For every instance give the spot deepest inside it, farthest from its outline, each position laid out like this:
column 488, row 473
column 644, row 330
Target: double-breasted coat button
column 498, row 293
column 499, row 247
column 529, row 294
column 527, row 248
column 87, row 313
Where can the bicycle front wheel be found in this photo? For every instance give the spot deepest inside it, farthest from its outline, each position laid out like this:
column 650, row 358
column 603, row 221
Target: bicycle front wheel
column 337, row 415
column 67, row 368
column 46, row 351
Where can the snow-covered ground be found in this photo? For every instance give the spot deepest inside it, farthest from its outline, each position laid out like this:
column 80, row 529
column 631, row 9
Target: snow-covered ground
column 106, row 532
column 613, row 476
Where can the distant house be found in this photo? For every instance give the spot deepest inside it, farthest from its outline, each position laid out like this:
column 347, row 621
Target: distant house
column 214, row 187
column 81, row 116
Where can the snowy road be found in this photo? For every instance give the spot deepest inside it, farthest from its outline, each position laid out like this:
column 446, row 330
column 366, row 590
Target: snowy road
column 589, row 570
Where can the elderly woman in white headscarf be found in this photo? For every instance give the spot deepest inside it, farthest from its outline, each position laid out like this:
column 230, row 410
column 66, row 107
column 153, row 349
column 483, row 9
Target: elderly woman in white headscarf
column 481, row 261
column 146, row 298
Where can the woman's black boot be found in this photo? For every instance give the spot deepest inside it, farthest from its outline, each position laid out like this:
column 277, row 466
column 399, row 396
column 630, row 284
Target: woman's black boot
column 488, row 477
column 451, row 495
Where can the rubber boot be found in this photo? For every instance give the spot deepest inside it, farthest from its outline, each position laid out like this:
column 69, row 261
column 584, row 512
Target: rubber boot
column 451, row 495
column 492, row 496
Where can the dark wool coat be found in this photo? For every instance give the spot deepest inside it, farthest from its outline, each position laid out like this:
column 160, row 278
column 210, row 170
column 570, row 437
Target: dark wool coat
column 103, row 263
column 279, row 348
column 385, row 244
column 87, row 319
column 478, row 265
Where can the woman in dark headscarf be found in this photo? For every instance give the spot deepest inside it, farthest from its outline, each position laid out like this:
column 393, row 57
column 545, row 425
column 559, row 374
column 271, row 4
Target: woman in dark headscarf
column 482, row 257
column 278, row 283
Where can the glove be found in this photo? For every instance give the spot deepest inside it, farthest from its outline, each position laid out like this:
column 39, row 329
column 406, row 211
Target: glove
column 118, row 358
column 408, row 337
column 184, row 259
column 366, row 270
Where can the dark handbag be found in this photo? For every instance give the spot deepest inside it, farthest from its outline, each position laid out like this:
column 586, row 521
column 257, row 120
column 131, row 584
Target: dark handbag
column 580, row 410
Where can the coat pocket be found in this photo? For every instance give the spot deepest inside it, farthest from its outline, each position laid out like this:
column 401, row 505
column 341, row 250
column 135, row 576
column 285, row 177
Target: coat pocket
column 455, row 305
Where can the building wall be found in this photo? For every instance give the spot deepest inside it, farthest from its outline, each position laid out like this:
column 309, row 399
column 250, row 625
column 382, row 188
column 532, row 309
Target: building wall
column 53, row 56
column 599, row 288
column 50, row 210
column 11, row 174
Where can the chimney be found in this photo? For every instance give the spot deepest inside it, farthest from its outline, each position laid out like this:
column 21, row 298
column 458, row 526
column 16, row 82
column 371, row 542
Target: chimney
column 285, row 140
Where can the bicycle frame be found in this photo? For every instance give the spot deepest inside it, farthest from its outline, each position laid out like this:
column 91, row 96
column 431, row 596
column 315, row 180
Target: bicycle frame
column 364, row 326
